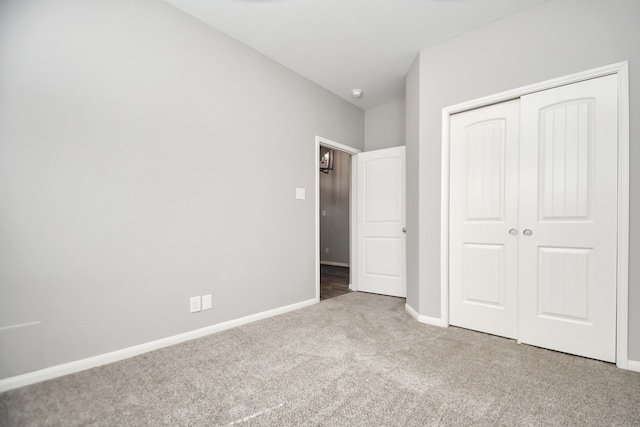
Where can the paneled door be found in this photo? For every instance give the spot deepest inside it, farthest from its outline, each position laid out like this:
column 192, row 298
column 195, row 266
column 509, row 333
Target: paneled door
column 568, row 217
column 381, row 221
column 533, row 219
column 483, row 209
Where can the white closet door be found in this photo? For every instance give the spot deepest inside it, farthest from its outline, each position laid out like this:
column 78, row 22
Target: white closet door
column 483, row 209
column 568, row 201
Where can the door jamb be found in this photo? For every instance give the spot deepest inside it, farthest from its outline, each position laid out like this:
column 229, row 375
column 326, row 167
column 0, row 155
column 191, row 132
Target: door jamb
column 320, row 141
column 621, row 69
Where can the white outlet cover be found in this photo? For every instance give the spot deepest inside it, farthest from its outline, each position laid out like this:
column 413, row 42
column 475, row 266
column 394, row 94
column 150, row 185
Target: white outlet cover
column 207, row 302
column 300, row 193
column 195, row 304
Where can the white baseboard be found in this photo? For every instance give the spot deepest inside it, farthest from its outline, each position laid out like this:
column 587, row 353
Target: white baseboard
column 434, row 321
column 633, row 365
column 125, row 353
column 335, row 264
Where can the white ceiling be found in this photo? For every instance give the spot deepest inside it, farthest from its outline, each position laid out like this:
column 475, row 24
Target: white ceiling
column 346, row 44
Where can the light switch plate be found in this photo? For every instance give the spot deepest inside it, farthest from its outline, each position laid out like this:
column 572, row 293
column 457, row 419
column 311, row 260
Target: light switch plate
column 195, row 304
column 207, row 302
column 300, row 194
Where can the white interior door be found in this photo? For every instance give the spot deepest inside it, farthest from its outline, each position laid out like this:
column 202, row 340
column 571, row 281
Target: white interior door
column 483, row 209
column 568, row 217
column 381, row 220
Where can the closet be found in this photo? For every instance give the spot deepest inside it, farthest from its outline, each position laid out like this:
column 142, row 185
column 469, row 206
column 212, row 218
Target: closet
column 533, row 218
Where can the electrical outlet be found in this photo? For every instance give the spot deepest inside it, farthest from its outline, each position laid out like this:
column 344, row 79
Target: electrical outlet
column 195, row 304
column 326, row 250
column 207, row 302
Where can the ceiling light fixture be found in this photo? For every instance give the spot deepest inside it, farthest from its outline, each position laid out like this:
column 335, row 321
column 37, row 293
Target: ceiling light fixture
column 357, row 93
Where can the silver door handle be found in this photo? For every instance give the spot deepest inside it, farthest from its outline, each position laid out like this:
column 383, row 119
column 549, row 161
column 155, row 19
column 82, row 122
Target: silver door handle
column 513, row 232
column 404, row 229
column 527, row 232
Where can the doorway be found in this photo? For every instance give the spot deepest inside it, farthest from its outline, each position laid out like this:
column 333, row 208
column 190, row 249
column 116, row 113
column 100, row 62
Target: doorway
column 376, row 219
column 334, row 190
column 336, row 239
column 535, row 303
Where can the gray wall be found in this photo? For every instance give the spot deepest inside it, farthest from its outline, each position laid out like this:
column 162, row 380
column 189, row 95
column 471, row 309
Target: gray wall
column 554, row 39
column 384, row 126
column 412, row 126
column 334, row 201
column 146, row 158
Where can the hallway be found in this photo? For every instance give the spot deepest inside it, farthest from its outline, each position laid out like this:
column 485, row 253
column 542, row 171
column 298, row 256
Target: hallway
column 334, row 281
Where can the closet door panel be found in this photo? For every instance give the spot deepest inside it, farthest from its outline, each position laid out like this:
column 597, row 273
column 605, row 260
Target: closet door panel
column 483, row 208
column 568, row 202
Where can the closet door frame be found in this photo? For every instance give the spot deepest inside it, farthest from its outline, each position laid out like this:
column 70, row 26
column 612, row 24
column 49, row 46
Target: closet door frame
column 622, row 286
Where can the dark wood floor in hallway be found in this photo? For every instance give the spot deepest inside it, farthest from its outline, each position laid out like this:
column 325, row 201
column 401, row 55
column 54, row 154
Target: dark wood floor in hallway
column 334, row 281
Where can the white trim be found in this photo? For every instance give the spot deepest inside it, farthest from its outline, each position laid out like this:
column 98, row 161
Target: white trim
column 335, row 264
column 115, row 356
column 633, row 365
column 444, row 221
column 433, row 321
column 621, row 69
column 353, row 224
column 622, row 324
column 325, row 142
column 536, row 87
column 320, row 141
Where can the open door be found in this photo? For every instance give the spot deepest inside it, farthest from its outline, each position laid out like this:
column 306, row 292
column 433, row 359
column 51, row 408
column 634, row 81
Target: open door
column 381, row 249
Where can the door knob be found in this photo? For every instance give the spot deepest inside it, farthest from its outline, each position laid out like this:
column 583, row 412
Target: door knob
column 404, row 229
column 527, row 232
column 513, row 232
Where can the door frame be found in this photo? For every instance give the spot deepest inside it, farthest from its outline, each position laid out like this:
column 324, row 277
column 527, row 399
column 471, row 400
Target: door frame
column 621, row 69
column 324, row 142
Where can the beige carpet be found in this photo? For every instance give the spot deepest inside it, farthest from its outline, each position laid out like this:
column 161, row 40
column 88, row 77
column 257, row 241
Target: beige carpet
column 354, row 360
